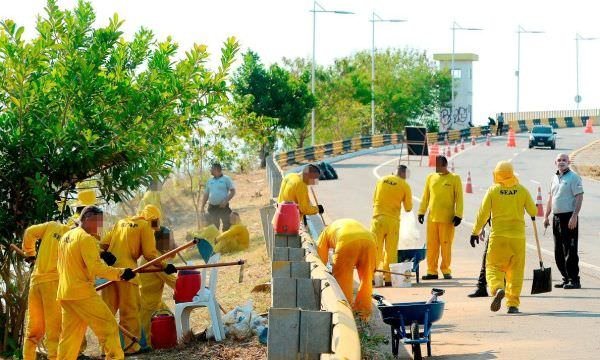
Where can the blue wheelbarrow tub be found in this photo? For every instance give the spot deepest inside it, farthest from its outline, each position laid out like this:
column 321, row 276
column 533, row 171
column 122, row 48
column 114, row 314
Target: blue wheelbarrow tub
column 414, row 255
column 406, row 313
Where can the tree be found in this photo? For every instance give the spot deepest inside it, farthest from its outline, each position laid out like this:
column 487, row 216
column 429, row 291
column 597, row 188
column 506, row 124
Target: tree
column 266, row 101
column 78, row 102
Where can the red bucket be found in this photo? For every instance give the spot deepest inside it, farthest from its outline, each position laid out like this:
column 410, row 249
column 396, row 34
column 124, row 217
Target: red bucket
column 286, row 219
column 162, row 328
column 187, row 285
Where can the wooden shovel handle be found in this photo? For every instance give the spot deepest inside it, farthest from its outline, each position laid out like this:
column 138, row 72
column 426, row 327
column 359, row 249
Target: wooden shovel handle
column 394, row 273
column 537, row 242
column 18, row 250
column 317, row 202
column 155, row 261
column 194, row 267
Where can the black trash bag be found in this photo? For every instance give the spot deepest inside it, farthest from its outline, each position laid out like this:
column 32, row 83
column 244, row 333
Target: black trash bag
column 327, row 171
column 331, row 170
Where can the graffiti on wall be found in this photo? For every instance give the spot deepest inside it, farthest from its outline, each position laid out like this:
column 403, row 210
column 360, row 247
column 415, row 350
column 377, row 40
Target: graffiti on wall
column 460, row 119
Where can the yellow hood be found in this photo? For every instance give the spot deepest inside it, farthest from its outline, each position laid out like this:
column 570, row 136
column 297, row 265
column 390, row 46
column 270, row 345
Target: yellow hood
column 505, row 175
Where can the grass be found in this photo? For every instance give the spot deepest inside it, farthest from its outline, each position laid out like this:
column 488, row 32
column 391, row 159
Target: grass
column 372, row 346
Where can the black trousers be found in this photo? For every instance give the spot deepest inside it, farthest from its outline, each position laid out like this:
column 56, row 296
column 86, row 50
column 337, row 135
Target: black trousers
column 499, row 128
column 218, row 215
column 565, row 247
column 482, row 282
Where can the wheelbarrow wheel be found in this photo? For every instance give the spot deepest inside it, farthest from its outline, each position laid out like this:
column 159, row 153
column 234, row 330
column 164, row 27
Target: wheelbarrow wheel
column 414, row 335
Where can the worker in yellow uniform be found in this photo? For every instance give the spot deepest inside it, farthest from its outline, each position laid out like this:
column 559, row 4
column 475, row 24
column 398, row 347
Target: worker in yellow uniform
column 152, row 196
column 43, row 315
column 151, row 289
column 128, row 240
column 505, row 201
column 294, row 188
column 78, row 264
column 354, row 247
column 443, row 198
column 391, row 192
column 235, row 239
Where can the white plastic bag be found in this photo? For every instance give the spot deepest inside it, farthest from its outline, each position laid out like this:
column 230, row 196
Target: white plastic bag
column 409, row 233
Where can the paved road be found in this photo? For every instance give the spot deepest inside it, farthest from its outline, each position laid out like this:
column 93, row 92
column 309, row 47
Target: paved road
column 562, row 324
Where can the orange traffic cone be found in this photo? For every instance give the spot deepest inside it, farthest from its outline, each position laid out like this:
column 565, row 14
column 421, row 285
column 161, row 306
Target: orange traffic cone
column 588, row 127
column 462, row 143
column 455, row 147
column 487, row 140
column 473, row 141
column 511, row 138
column 538, row 203
column 448, row 152
column 433, row 153
column 469, row 186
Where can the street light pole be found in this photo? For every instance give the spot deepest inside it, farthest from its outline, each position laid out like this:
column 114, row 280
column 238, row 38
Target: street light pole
column 455, row 27
column 577, row 38
column 520, row 31
column 375, row 18
column 320, row 9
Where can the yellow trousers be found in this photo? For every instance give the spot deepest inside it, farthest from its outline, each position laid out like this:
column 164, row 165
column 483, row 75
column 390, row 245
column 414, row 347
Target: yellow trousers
column 43, row 318
column 506, row 259
column 386, row 230
column 357, row 253
column 440, row 237
column 77, row 315
column 125, row 297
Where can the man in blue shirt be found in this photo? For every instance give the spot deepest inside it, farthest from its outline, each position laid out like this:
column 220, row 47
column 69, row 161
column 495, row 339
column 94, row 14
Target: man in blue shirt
column 564, row 202
column 218, row 192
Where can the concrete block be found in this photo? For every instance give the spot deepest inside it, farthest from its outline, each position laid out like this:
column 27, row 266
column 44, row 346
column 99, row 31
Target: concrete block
column 288, row 254
column 300, row 269
column 308, row 294
column 296, row 254
column 283, row 339
column 283, row 293
column 288, row 241
column 315, row 332
column 290, row 269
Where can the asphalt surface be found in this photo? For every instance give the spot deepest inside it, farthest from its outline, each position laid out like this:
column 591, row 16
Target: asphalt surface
column 563, row 324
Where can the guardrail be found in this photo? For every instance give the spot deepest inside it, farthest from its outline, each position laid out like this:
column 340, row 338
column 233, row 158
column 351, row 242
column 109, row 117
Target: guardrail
column 310, row 317
column 530, row 115
column 319, row 152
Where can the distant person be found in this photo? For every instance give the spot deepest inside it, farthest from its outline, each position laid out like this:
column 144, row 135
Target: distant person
column 391, row 192
column 294, row 188
column 237, row 238
column 443, row 198
column 491, row 121
column 354, row 247
column 500, row 124
column 505, row 202
column 564, row 202
column 481, row 290
column 218, row 192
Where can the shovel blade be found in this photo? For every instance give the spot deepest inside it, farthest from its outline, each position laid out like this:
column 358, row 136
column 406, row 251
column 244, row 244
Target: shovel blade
column 542, row 281
column 205, row 249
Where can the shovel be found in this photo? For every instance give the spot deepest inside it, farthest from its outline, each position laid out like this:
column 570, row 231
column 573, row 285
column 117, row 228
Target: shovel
column 317, row 202
column 542, row 277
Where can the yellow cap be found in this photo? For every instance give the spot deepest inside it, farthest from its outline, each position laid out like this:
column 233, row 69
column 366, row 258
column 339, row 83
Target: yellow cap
column 504, row 174
column 150, row 212
column 86, row 197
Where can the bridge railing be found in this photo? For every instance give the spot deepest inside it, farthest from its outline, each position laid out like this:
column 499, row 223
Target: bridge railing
column 530, row 115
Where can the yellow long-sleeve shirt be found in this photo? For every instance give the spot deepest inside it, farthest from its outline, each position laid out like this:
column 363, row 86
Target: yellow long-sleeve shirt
column 390, row 194
column 49, row 234
column 130, row 239
column 78, row 265
column 506, row 207
column 443, row 197
column 295, row 190
column 235, row 239
column 339, row 233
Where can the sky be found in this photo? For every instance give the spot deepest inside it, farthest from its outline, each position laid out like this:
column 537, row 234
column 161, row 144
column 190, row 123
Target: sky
column 284, row 28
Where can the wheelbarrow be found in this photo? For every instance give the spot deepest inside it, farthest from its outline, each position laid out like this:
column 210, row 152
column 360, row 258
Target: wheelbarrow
column 414, row 255
column 413, row 315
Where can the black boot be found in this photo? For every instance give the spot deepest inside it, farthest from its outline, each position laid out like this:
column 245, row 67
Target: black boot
column 479, row 292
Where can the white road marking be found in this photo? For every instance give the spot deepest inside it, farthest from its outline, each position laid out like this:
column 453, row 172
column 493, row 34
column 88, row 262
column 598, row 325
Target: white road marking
column 532, row 247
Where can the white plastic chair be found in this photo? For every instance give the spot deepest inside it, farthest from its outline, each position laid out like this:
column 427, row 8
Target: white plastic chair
column 204, row 298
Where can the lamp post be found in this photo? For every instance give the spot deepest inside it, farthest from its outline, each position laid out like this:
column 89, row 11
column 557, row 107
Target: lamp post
column 520, row 31
column 316, row 10
column 577, row 38
column 376, row 18
column 455, row 27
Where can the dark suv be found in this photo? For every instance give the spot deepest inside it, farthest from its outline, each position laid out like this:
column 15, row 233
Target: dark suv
column 542, row 135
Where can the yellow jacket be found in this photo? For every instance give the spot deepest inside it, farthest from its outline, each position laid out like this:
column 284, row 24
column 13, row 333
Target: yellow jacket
column 45, row 264
column 128, row 240
column 390, row 193
column 78, row 265
column 295, row 190
column 443, row 197
column 506, row 207
column 341, row 233
column 235, row 239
